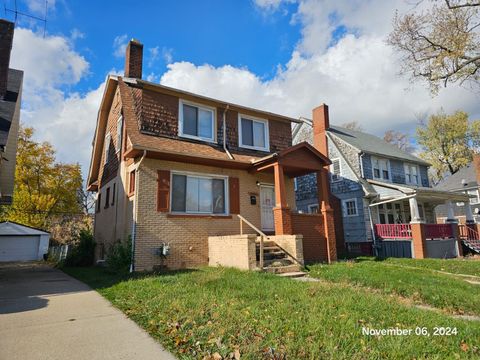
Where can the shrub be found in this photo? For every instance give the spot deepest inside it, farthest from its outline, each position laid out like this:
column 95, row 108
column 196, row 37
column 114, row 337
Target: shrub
column 119, row 256
column 83, row 252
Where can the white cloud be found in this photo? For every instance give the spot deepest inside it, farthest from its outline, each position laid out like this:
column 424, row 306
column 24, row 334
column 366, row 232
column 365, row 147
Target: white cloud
column 167, row 54
column 270, row 5
column 38, row 6
column 153, row 55
column 120, row 45
column 76, row 34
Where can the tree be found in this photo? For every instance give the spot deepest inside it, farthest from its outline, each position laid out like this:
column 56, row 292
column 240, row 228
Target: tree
column 448, row 142
column 441, row 44
column 44, row 188
column 399, row 139
column 352, row 125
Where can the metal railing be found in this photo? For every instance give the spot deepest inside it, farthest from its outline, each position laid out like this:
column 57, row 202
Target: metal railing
column 262, row 235
column 468, row 233
column 393, row 231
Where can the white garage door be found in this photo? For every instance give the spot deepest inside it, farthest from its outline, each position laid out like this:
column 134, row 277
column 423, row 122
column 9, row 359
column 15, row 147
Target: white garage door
column 19, row 248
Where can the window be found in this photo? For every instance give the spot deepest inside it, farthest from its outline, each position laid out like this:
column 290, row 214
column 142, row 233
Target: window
column 107, row 198
column 99, row 202
column 197, row 122
column 195, row 194
column 253, row 133
column 131, row 183
column 119, row 133
column 381, row 169
column 350, row 207
column 113, row 193
column 335, row 170
column 313, row 209
column 473, row 200
column 411, row 174
column 107, row 147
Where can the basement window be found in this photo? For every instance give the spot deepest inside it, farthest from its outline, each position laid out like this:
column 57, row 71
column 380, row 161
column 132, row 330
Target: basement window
column 253, row 133
column 196, row 121
column 198, row 194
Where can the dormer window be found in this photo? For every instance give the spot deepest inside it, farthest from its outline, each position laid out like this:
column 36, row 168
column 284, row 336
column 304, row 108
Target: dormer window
column 253, row 133
column 381, row 169
column 196, row 121
column 411, row 174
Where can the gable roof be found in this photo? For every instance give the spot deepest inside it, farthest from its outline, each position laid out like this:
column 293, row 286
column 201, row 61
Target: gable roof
column 454, row 182
column 13, row 228
column 373, row 145
column 9, row 104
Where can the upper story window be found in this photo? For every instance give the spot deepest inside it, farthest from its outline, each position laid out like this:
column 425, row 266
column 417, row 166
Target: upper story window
column 335, row 170
column 198, row 194
column 350, row 207
column 107, row 147
column 253, row 133
column 119, row 133
column 381, row 168
column 411, row 174
column 196, row 121
column 474, row 199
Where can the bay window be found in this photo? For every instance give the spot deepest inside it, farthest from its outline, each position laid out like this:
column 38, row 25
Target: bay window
column 196, row 121
column 253, row 133
column 198, row 194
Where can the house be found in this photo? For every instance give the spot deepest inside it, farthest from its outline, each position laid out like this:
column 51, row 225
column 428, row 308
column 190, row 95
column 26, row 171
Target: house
column 388, row 204
column 194, row 181
column 464, row 181
column 11, row 81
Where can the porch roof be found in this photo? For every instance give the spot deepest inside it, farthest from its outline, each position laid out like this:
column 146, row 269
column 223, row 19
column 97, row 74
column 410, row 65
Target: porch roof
column 297, row 160
column 392, row 191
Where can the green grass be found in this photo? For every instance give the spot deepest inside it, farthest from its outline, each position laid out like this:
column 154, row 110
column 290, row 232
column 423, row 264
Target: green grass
column 215, row 310
column 455, row 266
column 450, row 293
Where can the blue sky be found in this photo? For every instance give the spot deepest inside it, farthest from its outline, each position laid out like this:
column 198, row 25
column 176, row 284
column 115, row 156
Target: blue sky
column 285, row 56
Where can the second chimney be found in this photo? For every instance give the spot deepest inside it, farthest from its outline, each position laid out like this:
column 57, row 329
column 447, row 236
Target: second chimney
column 321, row 123
column 134, row 59
column 6, row 39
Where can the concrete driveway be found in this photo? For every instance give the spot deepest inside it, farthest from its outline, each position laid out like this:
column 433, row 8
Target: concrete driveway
column 46, row 314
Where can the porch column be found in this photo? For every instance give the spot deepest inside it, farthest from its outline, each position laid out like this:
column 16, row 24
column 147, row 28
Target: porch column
column 450, row 212
column 418, row 231
column 468, row 213
column 281, row 211
column 414, row 212
column 323, row 193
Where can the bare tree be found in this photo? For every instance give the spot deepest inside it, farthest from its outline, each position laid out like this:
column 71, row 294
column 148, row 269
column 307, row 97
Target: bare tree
column 441, row 44
column 399, row 139
column 352, row 125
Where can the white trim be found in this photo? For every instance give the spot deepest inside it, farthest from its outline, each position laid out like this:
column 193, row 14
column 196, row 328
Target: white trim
column 106, row 149
column 119, row 134
column 201, row 176
column 295, row 184
column 344, row 207
column 213, row 110
column 266, row 132
column 311, row 206
column 332, row 174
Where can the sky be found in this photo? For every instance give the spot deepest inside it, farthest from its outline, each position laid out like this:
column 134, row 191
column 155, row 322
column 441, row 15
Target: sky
column 284, row 56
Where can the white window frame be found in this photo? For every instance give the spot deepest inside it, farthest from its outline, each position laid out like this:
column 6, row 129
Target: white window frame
column 311, row 206
column 199, row 106
column 389, row 169
column 295, row 184
column 266, row 132
column 408, row 171
column 475, row 200
column 332, row 174
column 119, row 133
column 108, row 138
column 201, row 176
column 344, row 207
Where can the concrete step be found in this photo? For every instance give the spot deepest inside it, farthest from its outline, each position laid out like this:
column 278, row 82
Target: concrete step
column 277, row 262
column 294, row 274
column 282, row 269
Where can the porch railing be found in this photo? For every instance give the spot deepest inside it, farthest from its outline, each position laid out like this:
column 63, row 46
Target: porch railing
column 438, row 231
column 393, row 231
column 262, row 235
column 467, row 233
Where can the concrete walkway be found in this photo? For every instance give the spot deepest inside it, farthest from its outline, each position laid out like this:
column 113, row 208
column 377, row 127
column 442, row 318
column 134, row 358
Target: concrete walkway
column 46, row 314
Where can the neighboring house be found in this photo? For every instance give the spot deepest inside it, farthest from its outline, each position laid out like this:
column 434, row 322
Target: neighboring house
column 464, row 181
column 377, row 183
column 172, row 170
column 10, row 99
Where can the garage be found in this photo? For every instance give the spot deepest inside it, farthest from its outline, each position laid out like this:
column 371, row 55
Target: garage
column 22, row 243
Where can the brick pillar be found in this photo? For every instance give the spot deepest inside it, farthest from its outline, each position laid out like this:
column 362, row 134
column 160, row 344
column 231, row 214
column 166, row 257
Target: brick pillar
column 418, row 240
column 456, row 236
column 281, row 211
column 327, row 214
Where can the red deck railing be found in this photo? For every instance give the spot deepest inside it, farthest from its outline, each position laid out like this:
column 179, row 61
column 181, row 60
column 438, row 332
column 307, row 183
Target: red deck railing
column 467, row 233
column 393, row 231
column 438, row 231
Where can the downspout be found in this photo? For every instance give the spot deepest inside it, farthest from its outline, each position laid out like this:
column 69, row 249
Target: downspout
column 225, row 133
column 134, row 218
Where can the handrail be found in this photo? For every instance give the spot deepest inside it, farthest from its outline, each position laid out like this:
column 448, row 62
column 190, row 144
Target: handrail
column 262, row 235
column 466, row 231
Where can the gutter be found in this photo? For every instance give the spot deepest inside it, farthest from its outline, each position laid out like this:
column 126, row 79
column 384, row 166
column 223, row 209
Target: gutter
column 225, row 133
column 134, row 220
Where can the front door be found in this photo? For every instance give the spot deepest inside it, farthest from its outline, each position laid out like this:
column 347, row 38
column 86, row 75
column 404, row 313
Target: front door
column 267, row 202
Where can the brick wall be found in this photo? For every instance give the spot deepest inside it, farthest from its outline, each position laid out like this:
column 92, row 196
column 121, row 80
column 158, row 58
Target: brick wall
column 188, row 235
column 314, row 242
column 237, row 251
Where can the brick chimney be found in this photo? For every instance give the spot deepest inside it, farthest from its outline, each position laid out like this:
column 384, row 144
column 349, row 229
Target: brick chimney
column 6, row 39
column 321, row 123
column 134, row 59
column 476, row 166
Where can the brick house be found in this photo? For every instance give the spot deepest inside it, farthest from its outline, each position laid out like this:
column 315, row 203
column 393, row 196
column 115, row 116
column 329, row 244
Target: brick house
column 387, row 202
column 210, row 180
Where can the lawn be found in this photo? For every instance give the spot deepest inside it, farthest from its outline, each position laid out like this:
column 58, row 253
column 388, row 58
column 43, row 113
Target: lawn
column 412, row 279
column 212, row 312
